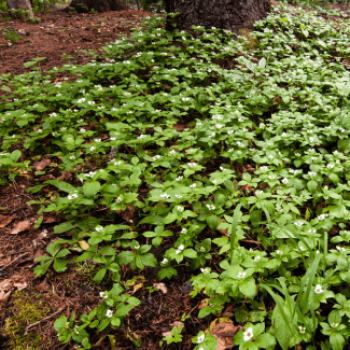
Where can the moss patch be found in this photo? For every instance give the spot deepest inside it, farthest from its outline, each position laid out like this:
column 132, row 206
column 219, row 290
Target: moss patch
column 26, row 310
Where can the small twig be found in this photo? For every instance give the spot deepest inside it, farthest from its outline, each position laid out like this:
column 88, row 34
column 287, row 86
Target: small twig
column 44, row 319
column 13, row 261
column 249, row 241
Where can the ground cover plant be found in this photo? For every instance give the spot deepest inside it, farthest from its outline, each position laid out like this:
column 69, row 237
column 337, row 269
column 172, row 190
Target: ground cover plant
column 230, row 152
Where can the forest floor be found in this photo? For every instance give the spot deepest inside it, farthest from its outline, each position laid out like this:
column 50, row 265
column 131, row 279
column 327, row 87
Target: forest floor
column 25, row 233
column 60, row 33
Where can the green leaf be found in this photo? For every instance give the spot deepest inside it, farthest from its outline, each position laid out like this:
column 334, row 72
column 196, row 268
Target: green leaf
column 107, row 250
column 63, row 186
column 248, row 288
column 166, row 272
column 312, row 186
column 63, row 228
column 15, row 155
column 212, row 221
column 337, row 341
column 60, row 323
column 91, row 188
column 100, row 275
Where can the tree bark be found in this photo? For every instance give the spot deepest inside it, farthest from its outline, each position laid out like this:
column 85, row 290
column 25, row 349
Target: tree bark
column 19, row 4
column 98, row 5
column 231, row 15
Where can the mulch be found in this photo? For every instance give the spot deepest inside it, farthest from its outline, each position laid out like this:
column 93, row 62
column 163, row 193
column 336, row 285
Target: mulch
column 60, row 33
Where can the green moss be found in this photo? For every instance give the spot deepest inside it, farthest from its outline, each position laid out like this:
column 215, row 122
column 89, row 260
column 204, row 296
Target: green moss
column 26, row 310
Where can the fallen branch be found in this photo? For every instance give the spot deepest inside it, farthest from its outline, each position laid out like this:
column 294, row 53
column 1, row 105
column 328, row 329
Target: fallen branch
column 44, row 319
column 13, row 261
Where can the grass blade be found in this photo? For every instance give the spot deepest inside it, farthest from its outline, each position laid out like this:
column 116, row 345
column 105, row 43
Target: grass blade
column 233, row 229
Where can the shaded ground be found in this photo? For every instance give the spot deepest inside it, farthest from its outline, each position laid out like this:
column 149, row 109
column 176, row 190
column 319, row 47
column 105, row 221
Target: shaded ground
column 61, row 33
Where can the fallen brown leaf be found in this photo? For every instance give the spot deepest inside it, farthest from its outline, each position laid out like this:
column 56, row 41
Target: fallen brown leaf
column 176, row 324
column 50, row 219
column 5, row 220
column 21, row 226
column 65, row 176
column 6, row 285
column 224, row 333
column 5, row 260
column 4, row 296
column 43, row 164
column 161, row 286
column 21, row 286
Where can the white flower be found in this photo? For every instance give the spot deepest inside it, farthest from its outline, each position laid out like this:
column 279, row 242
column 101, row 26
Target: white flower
column 142, row 136
column 191, row 165
column 109, row 313
column 183, row 231
column 180, row 208
column 178, row 196
column 322, row 216
column 172, row 151
column 219, row 126
column 240, row 144
column 82, row 130
column 318, row 289
column 241, row 274
column 119, row 199
column 103, row 295
column 264, row 167
column 156, row 157
column 113, row 138
column 90, row 174
column 179, row 178
column 72, row 196
column 214, row 181
column 299, row 223
column 98, row 228
column 138, row 245
column 72, row 157
column 222, row 168
column 302, row 248
column 230, row 132
column 248, row 334
column 340, row 249
column 279, row 252
column 205, row 270
column 311, row 173
column 193, row 185
column 164, row 261
column 200, row 338
column 302, row 329
column 210, row 207
column 92, row 148
column 285, row 181
column 335, row 325
column 164, row 195
column 179, row 249
column 330, row 166
column 257, row 258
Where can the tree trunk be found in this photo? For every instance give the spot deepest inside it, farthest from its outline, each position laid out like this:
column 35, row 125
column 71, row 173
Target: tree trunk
column 231, row 15
column 98, row 5
column 19, row 4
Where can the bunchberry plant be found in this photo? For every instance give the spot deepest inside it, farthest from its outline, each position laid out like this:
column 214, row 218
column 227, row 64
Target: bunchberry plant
column 232, row 155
